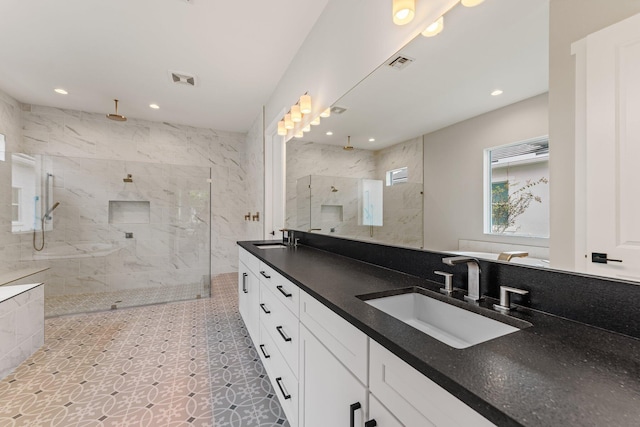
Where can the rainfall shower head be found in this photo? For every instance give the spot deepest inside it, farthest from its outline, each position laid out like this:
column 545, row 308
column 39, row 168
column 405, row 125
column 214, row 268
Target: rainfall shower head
column 117, row 117
column 348, row 147
column 334, row 189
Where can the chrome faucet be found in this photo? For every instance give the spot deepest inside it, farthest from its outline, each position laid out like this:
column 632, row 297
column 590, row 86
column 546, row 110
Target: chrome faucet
column 473, row 276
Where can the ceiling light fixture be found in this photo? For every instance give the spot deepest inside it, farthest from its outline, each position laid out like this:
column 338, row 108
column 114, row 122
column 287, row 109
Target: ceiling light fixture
column 288, row 123
column 496, row 92
column 316, row 121
column 60, row 91
column 305, row 104
column 434, row 28
column 329, row 133
column 372, row 139
column 282, row 131
column 326, row 113
column 403, row 11
column 296, row 114
column 154, row 106
column 471, row 3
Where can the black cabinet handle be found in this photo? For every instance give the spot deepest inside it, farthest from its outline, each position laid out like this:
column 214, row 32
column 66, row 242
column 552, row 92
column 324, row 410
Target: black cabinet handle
column 266, row 356
column 244, row 283
column 283, row 292
column 265, row 275
column 352, row 413
column 371, row 423
column 601, row 258
column 284, row 393
column 264, row 309
column 284, row 337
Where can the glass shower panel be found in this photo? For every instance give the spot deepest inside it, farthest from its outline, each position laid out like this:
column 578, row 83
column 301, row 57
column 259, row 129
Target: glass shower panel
column 124, row 234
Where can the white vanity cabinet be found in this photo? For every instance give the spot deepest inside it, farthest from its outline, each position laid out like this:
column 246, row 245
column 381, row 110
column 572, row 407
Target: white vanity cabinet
column 249, row 292
column 413, row 398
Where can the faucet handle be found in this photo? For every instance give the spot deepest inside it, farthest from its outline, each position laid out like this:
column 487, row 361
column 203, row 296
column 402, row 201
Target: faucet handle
column 448, row 282
column 505, row 298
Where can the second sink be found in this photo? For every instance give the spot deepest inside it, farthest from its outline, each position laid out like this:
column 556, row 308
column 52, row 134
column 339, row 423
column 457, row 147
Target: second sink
column 447, row 323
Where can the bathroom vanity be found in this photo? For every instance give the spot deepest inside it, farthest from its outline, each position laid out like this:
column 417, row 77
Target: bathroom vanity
column 334, row 358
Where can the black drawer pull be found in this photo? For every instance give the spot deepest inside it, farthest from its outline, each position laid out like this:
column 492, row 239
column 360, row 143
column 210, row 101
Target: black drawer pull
column 284, row 337
column 371, row 423
column 283, row 292
column 266, row 356
column 244, row 283
column 280, row 385
column 352, row 413
column 264, row 309
column 265, row 275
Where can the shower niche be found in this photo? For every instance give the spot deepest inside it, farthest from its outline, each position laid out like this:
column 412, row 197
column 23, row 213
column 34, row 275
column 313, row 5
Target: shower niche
column 129, row 212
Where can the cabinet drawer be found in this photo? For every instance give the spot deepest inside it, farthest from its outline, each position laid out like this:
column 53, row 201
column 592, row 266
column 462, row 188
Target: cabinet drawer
column 283, row 289
column 282, row 325
column 413, row 398
column 345, row 341
column 282, row 379
column 249, row 260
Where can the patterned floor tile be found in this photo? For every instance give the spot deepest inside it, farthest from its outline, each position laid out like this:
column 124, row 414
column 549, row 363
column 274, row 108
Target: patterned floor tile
column 179, row 364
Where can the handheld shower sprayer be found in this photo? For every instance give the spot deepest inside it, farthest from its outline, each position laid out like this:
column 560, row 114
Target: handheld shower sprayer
column 42, row 219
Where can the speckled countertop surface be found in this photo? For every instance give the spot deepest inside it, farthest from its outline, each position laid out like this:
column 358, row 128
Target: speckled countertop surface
column 555, row 373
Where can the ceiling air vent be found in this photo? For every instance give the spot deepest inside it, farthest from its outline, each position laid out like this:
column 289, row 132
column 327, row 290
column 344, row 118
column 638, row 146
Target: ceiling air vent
column 400, row 62
column 338, row 110
column 181, row 78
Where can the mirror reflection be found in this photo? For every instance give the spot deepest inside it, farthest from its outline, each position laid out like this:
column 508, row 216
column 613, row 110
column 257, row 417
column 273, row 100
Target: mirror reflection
column 439, row 107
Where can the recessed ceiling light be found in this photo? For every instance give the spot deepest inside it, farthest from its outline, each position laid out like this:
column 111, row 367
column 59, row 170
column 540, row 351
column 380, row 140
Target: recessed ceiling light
column 154, row 106
column 496, row 92
column 61, row 91
column 372, row 139
column 329, row 133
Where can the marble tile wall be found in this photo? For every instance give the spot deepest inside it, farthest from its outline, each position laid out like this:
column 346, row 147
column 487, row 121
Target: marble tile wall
column 37, row 129
column 21, row 327
column 254, row 177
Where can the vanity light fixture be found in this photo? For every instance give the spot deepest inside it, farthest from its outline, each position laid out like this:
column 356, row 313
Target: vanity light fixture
column 154, row 106
column 471, row 3
column 296, row 114
column 434, row 28
column 288, row 123
column 329, row 133
column 403, row 11
column 298, row 134
column 60, row 91
column 496, row 92
column 282, row 131
column 326, row 113
column 307, row 128
column 316, row 121
column 305, row 104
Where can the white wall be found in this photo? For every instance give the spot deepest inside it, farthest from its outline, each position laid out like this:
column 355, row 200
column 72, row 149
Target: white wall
column 453, row 171
column 570, row 21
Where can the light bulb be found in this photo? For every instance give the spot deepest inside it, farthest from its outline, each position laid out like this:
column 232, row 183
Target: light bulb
column 282, row 131
column 305, row 104
column 435, row 28
column 403, row 11
column 296, row 114
column 288, row 123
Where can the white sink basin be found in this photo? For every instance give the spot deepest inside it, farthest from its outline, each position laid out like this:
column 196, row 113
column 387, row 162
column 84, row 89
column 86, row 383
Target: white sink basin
column 452, row 325
column 271, row 246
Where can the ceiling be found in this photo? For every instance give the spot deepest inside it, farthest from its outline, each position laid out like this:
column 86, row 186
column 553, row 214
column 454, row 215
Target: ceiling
column 497, row 45
column 101, row 50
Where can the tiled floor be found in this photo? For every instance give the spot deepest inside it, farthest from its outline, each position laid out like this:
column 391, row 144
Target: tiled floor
column 179, row 364
column 60, row 305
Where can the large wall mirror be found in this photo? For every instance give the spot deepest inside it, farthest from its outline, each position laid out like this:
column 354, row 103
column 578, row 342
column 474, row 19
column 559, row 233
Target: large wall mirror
column 421, row 127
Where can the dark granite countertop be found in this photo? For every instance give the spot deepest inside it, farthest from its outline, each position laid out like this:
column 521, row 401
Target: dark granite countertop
column 555, row 373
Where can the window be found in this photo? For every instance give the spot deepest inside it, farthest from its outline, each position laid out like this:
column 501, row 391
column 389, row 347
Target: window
column 517, row 190
column 397, row 176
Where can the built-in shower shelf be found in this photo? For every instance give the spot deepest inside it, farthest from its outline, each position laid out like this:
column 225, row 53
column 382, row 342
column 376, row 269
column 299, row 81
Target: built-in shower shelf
column 129, row 212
